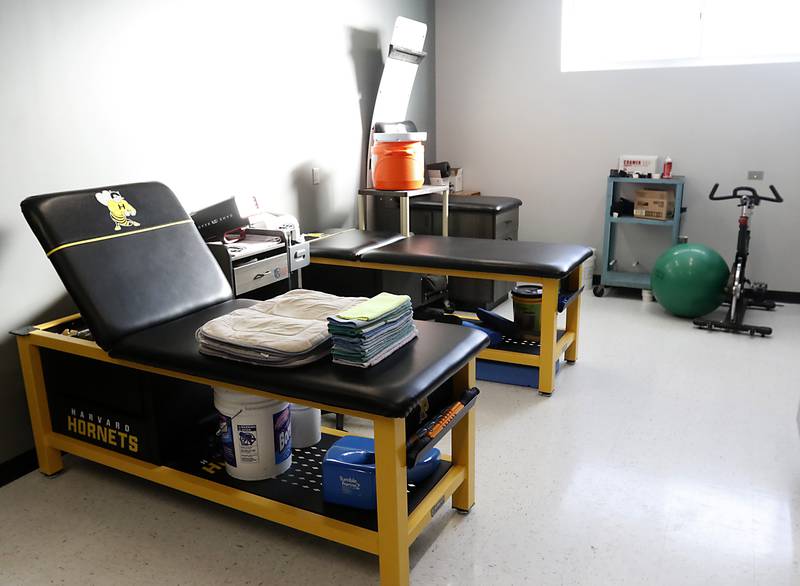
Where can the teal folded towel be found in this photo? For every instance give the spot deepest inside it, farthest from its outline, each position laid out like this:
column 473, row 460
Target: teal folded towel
column 369, row 332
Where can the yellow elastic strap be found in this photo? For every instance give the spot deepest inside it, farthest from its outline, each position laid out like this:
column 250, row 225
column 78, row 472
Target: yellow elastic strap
column 110, row 236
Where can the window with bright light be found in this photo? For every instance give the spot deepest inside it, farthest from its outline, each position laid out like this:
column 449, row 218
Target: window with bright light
column 631, row 34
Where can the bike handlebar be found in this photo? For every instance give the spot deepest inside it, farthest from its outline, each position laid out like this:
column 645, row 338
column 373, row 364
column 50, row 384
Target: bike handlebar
column 720, row 197
column 777, row 199
column 750, row 192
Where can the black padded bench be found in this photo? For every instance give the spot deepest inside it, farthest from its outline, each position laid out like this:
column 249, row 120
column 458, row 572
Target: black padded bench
column 144, row 282
column 557, row 267
column 543, row 259
column 351, row 244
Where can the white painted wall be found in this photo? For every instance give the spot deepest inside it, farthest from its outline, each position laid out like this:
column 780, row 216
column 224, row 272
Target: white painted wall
column 520, row 127
column 212, row 98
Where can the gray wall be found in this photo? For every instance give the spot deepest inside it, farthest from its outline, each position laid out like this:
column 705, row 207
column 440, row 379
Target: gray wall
column 214, row 99
column 520, row 127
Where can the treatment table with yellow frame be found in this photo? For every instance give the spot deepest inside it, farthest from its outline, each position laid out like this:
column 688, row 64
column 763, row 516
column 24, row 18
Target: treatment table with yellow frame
column 556, row 267
column 143, row 288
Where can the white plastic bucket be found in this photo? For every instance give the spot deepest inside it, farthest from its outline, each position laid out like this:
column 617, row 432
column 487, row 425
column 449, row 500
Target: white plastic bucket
column 256, row 434
column 306, row 426
column 401, row 136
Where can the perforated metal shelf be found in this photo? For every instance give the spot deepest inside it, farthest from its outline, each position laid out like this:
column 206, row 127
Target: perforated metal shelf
column 522, row 346
column 301, row 485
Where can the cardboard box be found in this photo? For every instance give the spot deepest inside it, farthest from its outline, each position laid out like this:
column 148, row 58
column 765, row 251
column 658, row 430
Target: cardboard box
column 654, row 204
column 641, row 164
column 456, row 178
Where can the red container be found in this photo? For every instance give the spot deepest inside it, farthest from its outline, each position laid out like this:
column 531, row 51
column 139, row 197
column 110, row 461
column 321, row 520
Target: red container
column 398, row 164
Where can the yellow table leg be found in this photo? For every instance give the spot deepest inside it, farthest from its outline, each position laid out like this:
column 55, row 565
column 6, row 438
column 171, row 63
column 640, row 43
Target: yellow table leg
column 390, row 468
column 574, row 282
column 463, row 442
column 31, row 362
column 547, row 352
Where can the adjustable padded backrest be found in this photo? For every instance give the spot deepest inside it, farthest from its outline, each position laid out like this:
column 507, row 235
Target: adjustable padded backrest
column 129, row 255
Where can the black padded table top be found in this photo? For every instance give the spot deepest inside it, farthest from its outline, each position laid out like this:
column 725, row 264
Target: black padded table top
column 467, row 203
column 391, row 388
column 351, row 244
column 531, row 259
column 129, row 255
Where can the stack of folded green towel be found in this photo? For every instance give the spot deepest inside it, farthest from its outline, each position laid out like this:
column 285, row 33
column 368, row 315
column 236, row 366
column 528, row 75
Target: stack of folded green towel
column 366, row 333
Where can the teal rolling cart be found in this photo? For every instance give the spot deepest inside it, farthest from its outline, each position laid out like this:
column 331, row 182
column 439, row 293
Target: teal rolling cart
column 611, row 276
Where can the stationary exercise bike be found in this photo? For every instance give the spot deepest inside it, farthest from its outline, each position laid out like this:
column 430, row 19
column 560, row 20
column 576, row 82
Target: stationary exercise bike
column 740, row 291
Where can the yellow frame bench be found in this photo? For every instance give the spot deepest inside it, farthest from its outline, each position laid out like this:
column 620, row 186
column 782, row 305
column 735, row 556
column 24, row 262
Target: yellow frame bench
column 397, row 527
column 553, row 344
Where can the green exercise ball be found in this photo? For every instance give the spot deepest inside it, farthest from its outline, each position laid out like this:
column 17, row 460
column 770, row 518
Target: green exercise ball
column 689, row 280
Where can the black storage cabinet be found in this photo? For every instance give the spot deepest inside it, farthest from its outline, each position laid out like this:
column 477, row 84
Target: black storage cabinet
column 473, row 216
column 147, row 416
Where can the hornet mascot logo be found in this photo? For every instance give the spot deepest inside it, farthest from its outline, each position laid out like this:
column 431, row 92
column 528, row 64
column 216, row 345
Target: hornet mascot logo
column 119, row 209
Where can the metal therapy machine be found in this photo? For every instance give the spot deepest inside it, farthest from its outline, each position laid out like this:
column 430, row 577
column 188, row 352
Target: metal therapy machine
column 123, row 383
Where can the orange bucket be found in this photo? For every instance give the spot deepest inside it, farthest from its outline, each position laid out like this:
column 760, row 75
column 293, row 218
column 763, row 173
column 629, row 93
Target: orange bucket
column 398, row 165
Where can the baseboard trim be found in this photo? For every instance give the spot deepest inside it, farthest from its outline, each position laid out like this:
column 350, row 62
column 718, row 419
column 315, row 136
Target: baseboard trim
column 18, row 466
column 784, row 296
column 779, row 296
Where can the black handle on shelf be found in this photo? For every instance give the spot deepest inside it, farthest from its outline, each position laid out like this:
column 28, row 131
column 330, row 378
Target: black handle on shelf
column 433, row 430
column 564, row 299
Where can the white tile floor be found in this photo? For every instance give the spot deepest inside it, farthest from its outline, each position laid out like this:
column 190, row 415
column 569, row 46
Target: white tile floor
column 667, row 456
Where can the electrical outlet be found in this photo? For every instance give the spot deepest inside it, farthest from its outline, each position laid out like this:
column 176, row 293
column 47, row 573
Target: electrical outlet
column 315, row 175
column 755, row 175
